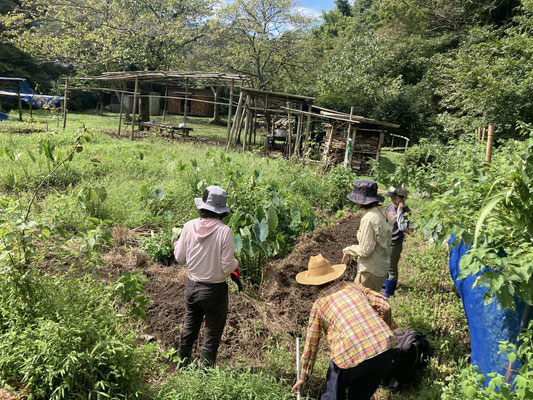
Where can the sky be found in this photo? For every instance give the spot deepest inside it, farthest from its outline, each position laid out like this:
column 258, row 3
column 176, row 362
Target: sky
column 314, row 8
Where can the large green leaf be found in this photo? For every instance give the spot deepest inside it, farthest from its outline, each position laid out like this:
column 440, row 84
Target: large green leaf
column 272, row 218
column 493, row 202
column 260, row 230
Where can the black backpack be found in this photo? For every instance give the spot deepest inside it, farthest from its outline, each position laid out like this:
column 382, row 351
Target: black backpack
column 411, row 354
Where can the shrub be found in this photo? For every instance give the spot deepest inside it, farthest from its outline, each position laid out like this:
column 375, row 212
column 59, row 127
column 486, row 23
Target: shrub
column 62, row 339
column 159, row 246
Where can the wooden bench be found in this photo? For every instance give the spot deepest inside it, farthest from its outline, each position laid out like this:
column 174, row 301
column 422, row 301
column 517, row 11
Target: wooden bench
column 166, row 127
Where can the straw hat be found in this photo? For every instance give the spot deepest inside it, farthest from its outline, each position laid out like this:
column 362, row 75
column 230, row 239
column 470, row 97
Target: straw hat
column 320, row 271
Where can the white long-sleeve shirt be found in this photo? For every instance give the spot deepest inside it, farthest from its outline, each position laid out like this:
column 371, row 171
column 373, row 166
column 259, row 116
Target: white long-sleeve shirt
column 206, row 246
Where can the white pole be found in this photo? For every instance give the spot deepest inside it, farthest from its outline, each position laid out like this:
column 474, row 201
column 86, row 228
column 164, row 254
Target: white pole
column 298, row 395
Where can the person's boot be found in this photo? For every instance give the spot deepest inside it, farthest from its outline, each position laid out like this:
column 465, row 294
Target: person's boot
column 184, row 353
column 208, row 358
column 390, row 287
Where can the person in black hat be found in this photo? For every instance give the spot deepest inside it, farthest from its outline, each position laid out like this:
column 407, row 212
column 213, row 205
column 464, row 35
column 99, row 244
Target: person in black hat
column 206, row 246
column 374, row 237
column 399, row 212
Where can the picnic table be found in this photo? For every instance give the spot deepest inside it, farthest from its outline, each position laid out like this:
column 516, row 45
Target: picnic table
column 166, row 127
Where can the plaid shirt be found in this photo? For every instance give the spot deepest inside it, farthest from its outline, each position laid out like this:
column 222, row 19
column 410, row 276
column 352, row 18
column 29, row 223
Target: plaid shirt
column 356, row 320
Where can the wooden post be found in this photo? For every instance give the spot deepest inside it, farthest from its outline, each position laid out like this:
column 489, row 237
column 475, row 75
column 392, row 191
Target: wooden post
column 134, row 108
column 483, row 136
column 477, row 133
column 120, row 115
column 239, row 122
column 353, row 145
column 328, row 145
column 380, row 143
column 186, row 100
column 233, row 128
column 308, row 128
column 165, row 104
column 65, row 99
column 406, row 145
column 289, row 136
column 299, row 127
column 230, row 109
column 490, row 139
column 31, row 109
column 19, row 102
column 246, row 122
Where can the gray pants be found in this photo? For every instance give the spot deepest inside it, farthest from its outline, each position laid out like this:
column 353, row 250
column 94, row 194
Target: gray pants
column 207, row 301
column 396, row 251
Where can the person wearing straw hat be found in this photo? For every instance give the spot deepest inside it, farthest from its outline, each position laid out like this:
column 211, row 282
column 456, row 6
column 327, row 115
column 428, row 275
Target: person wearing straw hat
column 399, row 212
column 206, row 246
column 356, row 321
column 374, row 237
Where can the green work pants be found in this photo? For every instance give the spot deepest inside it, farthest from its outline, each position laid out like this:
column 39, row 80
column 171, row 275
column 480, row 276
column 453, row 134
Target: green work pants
column 396, row 251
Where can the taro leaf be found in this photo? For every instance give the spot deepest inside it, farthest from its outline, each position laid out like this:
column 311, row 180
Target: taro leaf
column 237, row 243
column 159, row 194
column 271, row 218
column 31, row 155
column 101, row 192
column 247, row 241
column 11, row 180
column 260, row 230
column 144, row 190
column 281, row 243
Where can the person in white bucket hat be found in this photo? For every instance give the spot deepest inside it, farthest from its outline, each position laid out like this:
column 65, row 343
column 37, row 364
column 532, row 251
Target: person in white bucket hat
column 206, row 246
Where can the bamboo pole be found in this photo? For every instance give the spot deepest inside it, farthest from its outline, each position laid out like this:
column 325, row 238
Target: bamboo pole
column 230, row 109
column 120, row 115
column 490, row 139
column 483, row 136
column 31, row 109
column 65, row 98
column 328, row 145
column 133, row 109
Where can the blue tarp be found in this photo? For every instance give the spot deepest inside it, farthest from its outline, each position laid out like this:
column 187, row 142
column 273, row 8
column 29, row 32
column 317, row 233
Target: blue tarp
column 11, row 87
column 489, row 324
column 3, row 117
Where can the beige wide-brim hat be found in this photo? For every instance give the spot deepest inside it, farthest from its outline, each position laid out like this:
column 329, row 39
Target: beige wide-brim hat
column 320, row 271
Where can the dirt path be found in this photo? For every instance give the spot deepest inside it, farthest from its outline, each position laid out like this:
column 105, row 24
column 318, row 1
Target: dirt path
column 278, row 312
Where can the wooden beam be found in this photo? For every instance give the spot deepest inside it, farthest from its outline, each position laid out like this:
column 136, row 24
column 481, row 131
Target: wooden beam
column 380, row 143
column 362, row 119
column 307, row 129
column 321, row 116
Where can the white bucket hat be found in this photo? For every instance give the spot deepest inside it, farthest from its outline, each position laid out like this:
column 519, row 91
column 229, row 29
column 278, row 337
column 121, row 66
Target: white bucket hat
column 214, row 200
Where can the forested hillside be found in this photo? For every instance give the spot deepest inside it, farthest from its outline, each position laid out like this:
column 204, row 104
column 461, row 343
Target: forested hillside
column 438, row 68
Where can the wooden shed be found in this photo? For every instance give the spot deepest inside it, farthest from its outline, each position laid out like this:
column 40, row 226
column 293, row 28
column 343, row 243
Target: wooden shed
column 194, row 108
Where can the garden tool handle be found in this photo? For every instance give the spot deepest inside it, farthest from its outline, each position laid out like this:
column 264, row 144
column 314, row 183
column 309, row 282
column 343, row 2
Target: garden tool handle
column 298, row 395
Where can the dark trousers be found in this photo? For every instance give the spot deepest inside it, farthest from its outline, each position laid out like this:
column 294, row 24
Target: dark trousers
column 209, row 301
column 359, row 382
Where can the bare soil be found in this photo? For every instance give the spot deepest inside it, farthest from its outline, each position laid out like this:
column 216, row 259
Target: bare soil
column 255, row 319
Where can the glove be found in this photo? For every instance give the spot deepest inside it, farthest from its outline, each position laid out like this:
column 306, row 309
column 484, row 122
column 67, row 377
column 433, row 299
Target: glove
column 236, row 277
